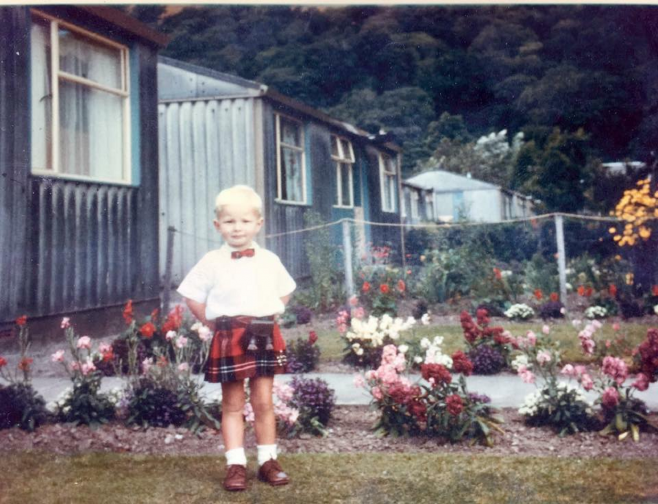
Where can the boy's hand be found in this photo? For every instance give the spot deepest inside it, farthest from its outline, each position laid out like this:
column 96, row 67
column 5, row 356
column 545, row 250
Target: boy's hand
column 198, row 310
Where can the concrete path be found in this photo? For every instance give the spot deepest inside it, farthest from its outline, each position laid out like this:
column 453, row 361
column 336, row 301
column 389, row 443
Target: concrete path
column 505, row 391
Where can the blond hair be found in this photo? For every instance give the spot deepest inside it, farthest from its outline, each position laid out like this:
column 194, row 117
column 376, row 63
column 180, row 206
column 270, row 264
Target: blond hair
column 239, row 195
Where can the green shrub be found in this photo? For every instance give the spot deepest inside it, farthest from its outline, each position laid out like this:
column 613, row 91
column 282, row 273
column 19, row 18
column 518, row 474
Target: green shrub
column 21, row 406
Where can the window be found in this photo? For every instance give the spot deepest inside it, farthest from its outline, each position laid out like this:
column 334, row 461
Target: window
column 343, row 154
column 415, row 201
column 388, row 181
column 290, row 160
column 429, row 200
column 80, row 103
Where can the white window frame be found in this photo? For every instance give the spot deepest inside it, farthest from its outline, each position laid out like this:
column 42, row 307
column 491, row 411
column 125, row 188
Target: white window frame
column 343, row 158
column 57, row 75
column 429, row 205
column 279, row 145
column 386, row 176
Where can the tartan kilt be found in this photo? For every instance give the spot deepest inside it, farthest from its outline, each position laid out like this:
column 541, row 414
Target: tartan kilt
column 245, row 347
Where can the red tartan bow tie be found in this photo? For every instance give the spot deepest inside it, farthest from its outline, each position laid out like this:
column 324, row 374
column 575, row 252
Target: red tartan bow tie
column 237, row 254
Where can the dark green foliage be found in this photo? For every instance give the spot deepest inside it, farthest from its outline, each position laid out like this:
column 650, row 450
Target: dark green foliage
column 21, row 406
column 314, row 400
column 551, row 310
column 153, row 405
column 86, row 405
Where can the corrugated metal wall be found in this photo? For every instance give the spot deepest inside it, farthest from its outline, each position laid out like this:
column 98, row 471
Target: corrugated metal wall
column 205, row 146
column 14, row 154
column 84, row 246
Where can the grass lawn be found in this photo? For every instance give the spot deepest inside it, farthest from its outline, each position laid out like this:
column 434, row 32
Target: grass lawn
column 327, row 478
column 331, row 343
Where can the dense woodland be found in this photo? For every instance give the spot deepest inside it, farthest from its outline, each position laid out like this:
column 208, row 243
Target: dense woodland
column 579, row 82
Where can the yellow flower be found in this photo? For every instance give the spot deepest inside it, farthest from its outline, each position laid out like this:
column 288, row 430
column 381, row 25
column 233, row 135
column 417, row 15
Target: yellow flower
column 612, row 230
column 644, row 233
column 629, row 278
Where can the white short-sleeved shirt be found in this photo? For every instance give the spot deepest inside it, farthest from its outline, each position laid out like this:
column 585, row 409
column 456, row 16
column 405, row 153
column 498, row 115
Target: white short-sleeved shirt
column 251, row 286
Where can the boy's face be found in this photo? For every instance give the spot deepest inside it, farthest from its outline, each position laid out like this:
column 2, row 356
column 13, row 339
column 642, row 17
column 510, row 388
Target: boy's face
column 238, row 224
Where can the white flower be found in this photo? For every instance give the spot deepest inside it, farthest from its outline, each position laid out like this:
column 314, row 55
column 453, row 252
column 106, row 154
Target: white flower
column 205, row 333
column 183, row 367
column 655, row 309
column 181, row 342
column 425, row 343
column 520, row 360
column 594, row 312
column 359, row 351
column 403, row 349
column 425, row 319
column 84, row 342
column 196, row 326
column 66, row 322
column 520, row 311
column 170, row 335
column 418, row 359
column 58, row 356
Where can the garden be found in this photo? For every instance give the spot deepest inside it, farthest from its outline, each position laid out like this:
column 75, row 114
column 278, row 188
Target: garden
column 411, row 339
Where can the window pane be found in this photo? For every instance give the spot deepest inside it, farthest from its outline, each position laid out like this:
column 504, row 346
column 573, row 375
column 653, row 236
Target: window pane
column 345, row 184
column 83, row 57
column 347, row 152
column 391, row 193
column 41, row 96
column 291, row 175
column 91, row 124
column 334, row 146
column 290, row 132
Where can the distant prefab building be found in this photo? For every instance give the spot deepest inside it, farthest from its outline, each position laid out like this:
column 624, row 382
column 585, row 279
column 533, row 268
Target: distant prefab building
column 417, row 204
column 217, row 130
column 462, row 197
column 78, row 154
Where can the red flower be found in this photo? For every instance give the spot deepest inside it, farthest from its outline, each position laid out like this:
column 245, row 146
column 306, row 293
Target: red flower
column 401, row 285
column 498, row 274
column 654, row 290
column 454, row 404
column 482, row 316
column 154, row 315
column 418, row 409
column 24, row 364
column 471, row 331
column 174, row 320
column 147, row 330
column 437, row 372
column 312, row 337
column 22, row 320
column 461, row 363
column 384, row 289
column 612, row 289
column 162, row 361
column 108, row 356
column 128, row 312
column 588, row 291
column 554, row 296
column 538, row 294
column 365, row 287
column 3, row 362
column 581, row 290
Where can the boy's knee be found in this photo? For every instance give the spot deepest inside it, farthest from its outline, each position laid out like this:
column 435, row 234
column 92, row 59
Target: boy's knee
column 262, row 404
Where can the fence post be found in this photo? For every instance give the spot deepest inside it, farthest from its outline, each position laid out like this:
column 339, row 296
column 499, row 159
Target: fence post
column 561, row 258
column 169, row 259
column 347, row 257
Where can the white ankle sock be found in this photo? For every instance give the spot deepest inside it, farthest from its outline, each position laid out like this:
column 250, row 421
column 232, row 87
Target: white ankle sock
column 265, row 453
column 236, row 456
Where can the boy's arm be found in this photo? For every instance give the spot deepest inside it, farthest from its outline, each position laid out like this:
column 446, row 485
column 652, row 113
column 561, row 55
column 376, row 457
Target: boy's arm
column 198, row 310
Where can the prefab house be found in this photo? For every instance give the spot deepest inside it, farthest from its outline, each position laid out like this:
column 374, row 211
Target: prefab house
column 217, row 130
column 462, row 197
column 79, row 160
column 417, row 203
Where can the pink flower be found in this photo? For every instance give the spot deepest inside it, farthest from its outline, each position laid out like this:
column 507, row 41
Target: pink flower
column 546, row 329
column 588, row 345
column 88, row 367
column 616, row 326
column 522, row 368
column 359, row 382
column 543, row 356
column 568, row 370
column 104, row 348
column 84, row 342
column 181, row 342
column 342, row 328
column 75, row 366
column 371, row 374
column 183, row 367
column 615, row 368
column 580, row 369
column 283, row 391
column 528, row 377
column 66, row 322
column 248, row 412
column 641, row 382
column 586, row 381
column 377, row 393
column 597, row 324
column 532, row 338
column 353, row 301
column 58, row 356
column 359, row 312
column 610, row 398
column 147, row 364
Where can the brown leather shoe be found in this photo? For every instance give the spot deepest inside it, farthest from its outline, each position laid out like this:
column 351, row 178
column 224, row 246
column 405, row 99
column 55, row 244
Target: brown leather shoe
column 236, row 478
column 271, row 472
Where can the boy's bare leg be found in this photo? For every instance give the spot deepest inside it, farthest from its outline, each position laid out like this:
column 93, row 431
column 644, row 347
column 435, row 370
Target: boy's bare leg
column 260, row 390
column 233, row 414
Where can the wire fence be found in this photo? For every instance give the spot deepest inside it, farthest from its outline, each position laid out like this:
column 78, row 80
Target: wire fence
column 549, row 253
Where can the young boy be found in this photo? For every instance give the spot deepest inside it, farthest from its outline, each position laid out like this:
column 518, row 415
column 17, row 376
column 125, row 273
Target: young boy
column 238, row 289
